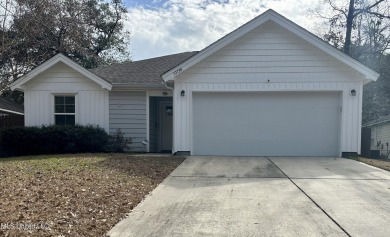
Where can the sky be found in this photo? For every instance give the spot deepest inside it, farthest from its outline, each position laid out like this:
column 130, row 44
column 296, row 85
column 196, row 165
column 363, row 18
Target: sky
column 162, row 27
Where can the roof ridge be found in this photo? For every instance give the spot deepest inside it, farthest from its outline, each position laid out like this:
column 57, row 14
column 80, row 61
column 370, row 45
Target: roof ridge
column 164, row 56
column 147, row 72
column 142, row 60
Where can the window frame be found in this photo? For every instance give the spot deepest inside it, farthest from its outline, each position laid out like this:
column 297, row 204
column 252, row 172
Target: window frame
column 53, row 104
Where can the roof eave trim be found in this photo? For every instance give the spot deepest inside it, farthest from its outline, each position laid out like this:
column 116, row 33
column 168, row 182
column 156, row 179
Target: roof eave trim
column 11, row 111
column 18, row 84
column 137, row 87
column 368, row 125
column 287, row 24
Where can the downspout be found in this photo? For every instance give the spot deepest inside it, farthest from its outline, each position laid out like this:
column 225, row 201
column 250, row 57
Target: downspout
column 168, row 87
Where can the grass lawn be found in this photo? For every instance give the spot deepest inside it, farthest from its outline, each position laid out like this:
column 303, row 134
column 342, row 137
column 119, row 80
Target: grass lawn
column 383, row 164
column 75, row 195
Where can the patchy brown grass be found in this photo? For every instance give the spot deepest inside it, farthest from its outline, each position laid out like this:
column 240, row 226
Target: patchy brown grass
column 383, row 164
column 75, row 195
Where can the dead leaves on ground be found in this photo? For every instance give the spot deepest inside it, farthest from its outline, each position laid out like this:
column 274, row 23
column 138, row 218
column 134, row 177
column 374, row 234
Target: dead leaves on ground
column 75, row 195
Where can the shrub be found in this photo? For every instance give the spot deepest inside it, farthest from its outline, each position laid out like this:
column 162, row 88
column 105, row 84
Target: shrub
column 118, row 142
column 53, row 139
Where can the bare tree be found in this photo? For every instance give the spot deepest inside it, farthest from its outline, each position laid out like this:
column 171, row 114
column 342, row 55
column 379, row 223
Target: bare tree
column 360, row 23
column 361, row 28
column 91, row 32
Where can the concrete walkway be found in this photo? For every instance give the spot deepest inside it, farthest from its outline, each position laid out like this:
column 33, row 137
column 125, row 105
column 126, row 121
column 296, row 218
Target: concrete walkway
column 260, row 196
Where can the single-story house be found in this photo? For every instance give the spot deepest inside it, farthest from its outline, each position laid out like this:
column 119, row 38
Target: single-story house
column 11, row 114
column 379, row 137
column 269, row 88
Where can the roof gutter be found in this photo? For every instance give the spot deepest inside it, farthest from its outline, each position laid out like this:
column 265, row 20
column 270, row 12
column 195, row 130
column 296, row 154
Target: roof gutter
column 377, row 123
column 126, row 86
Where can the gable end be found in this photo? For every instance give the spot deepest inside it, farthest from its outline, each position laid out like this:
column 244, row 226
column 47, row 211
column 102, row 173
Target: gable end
column 19, row 83
column 273, row 16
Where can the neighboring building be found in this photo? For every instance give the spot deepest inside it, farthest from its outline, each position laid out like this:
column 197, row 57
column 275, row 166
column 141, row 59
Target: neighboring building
column 379, row 134
column 269, row 88
column 11, row 114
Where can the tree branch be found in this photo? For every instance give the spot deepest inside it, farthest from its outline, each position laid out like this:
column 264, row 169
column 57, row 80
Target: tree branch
column 377, row 14
column 337, row 9
column 366, row 9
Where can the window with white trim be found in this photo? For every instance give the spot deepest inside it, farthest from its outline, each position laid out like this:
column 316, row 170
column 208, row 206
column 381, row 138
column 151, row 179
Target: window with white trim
column 64, row 109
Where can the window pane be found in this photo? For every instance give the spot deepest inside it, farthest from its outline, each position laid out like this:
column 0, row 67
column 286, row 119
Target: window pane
column 69, row 109
column 65, row 120
column 59, row 100
column 69, row 100
column 60, row 119
column 64, row 104
column 70, row 120
column 59, row 109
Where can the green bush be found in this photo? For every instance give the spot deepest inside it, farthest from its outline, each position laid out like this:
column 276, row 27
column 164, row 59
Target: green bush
column 53, row 139
column 118, row 142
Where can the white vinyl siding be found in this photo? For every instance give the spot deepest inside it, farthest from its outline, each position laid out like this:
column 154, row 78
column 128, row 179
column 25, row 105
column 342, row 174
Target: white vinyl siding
column 92, row 100
column 266, row 123
column 380, row 133
column 128, row 112
column 272, row 59
column 269, row 53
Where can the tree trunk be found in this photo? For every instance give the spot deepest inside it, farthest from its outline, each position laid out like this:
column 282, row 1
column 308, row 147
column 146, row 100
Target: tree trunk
column 351, row 11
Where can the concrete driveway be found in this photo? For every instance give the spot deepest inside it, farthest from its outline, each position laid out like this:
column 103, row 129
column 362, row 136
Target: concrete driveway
column 260, row 196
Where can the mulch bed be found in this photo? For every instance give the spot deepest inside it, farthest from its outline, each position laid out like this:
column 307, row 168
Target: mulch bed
column 75, row 195
column 383, row 164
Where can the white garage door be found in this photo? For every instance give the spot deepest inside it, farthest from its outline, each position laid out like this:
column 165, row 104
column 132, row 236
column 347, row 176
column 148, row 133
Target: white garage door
column 266, row 123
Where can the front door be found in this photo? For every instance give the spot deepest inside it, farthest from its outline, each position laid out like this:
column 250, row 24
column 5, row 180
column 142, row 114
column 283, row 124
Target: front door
column 166, row 121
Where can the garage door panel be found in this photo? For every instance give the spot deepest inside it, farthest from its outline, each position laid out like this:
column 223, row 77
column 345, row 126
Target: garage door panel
column 266, row 123
column 282, row 100
column 245, row 147
column 267, row 132
column 273, row 116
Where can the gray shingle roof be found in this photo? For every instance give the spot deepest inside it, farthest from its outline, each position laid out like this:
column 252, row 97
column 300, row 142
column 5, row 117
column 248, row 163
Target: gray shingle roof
column 8, row 105
column 143, row 73
column 381, row 120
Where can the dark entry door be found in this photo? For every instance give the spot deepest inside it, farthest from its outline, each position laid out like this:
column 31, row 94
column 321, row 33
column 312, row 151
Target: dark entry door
column 166, row 128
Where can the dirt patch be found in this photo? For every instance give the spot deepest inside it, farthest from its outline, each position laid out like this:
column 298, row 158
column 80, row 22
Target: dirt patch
column 75, row 195
column 383, row 164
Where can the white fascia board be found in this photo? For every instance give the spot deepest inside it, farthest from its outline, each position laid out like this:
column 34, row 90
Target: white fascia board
column 51, row 62
column 285, row 23
column 129, row 87
column 11, row 111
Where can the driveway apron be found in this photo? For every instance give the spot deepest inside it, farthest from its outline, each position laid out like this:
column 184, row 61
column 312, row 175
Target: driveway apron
column 355, row 195
column 261, row 196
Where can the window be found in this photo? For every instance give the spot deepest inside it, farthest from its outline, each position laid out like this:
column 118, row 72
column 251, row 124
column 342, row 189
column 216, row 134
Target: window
column 169, row 110
column 64, row 110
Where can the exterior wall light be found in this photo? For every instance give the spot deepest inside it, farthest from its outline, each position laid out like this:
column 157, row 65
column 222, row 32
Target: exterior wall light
column 353, row 92
column 182, row 93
